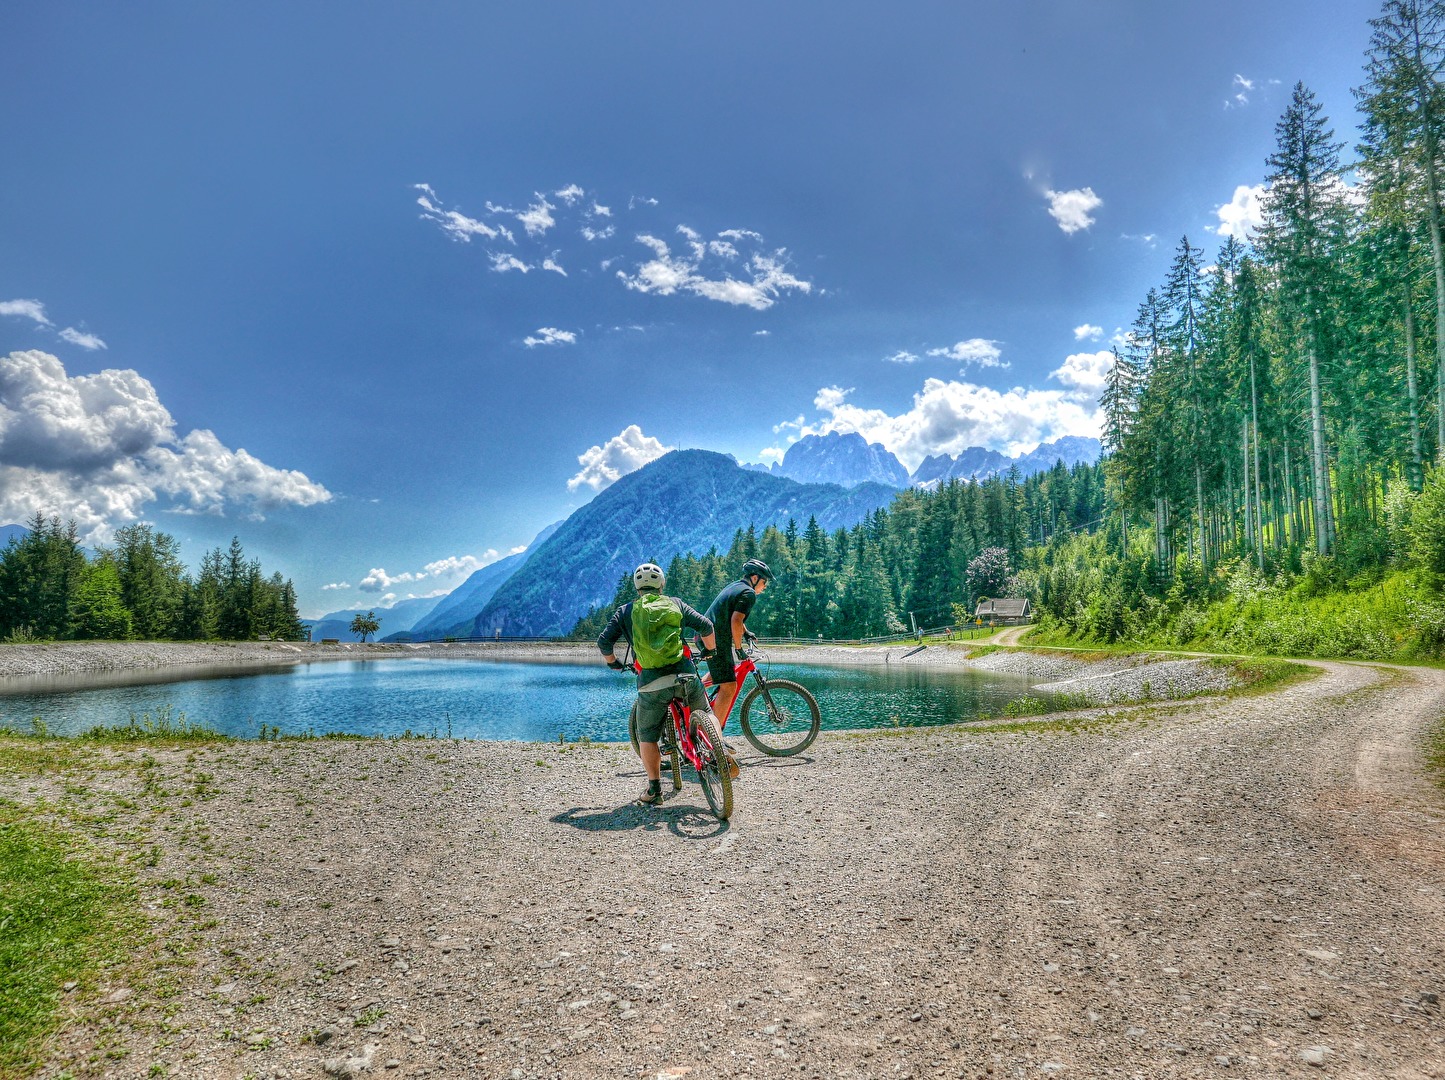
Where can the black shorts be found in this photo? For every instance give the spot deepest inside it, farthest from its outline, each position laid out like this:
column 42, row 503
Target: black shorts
column 720, row 666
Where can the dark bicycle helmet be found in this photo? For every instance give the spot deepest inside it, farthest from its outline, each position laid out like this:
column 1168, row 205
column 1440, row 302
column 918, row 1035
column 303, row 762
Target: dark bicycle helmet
column 758, row 567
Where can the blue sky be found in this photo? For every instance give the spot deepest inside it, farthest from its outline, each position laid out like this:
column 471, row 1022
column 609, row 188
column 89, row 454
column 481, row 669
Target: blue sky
column 896, row 219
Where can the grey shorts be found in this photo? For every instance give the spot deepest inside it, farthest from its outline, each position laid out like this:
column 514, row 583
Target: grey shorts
column 652, row 706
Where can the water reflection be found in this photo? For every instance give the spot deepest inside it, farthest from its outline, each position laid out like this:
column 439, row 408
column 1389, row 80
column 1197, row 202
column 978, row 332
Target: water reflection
column 465, row 698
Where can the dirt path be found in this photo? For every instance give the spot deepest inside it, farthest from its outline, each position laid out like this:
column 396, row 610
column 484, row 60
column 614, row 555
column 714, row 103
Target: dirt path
column 1253, row 887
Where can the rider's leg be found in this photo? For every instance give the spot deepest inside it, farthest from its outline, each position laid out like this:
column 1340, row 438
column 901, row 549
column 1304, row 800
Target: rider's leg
column 722, row 705
column 697, row 702
column 651, row 715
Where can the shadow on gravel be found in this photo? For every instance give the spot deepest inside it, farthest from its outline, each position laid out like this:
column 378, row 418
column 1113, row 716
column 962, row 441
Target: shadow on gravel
column 683, row 821
column 776, row 762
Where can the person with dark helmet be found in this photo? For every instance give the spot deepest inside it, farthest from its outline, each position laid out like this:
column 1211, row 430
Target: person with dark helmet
column 652, row 625
column 729, row 616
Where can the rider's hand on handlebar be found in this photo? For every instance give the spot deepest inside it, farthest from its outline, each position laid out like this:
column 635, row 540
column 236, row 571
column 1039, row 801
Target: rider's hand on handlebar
column 749, row 637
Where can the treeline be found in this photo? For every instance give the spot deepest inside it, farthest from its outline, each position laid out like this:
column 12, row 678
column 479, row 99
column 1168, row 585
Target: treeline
column 137, row 587
column 1274, row 416
column 927, row 557
column 1267, row 404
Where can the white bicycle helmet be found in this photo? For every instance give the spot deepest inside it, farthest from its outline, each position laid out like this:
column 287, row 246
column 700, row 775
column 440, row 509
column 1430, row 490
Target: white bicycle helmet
column 648, row 576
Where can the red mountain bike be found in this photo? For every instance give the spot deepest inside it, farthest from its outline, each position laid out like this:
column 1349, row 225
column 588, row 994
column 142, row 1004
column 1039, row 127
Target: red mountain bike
column 696, row 738
column 779, row 717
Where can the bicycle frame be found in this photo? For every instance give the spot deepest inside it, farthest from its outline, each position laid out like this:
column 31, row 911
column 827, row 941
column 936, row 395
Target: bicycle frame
column 748, row 667
column 682, row 726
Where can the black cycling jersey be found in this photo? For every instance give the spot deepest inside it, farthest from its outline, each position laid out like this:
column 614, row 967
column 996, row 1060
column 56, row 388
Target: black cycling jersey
column 740, row 597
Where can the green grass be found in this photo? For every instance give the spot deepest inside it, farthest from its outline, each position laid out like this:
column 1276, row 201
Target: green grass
column 61, row 913
column 1435, row 753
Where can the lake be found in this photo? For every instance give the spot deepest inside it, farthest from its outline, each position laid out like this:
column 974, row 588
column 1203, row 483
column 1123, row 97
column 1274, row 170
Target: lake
column 468, row 698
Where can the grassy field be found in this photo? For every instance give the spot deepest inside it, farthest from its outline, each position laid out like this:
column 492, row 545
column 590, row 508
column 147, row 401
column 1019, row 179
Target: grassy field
column 63, row 910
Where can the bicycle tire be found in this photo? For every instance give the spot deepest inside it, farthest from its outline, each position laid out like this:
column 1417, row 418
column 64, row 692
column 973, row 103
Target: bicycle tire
column 716, row 775
column 780, row 718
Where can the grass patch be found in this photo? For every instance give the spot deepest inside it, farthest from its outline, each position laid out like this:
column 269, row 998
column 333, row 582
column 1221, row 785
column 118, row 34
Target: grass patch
column 1263, row 675
column 61, row 913
column 1435, row 752
column 1041, row 706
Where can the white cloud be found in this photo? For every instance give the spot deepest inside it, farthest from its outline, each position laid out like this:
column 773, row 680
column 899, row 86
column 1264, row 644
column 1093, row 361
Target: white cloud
column 378, row 580
column 84, row 340
column 598, row 210
column 551, row 263
column 1072, row 209
column 1243, row 83
column 902, row 356
column 640, row 200
column 978, row 351
column 625, row 452
column 947, row 417
column 1088, row 332
column 336, row 585
column 25, row 309
column 1149, row 239
column 666, row 274
column 589, row 233
column 550, row 335
column 796, row 425
column 1243, row 215
column 761, row 333
column 458, row 565
column 770, row 453
column 454, row 223
column 537, row 218
column 102, row 448
column 503, row 261
column 569, row 194
column 1083, row 374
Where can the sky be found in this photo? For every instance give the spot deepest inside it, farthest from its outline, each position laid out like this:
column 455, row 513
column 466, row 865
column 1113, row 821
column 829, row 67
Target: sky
column 385, row 290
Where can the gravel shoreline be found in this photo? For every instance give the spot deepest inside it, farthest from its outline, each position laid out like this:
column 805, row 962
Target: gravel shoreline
column 1114, row 680
column 1243, row 887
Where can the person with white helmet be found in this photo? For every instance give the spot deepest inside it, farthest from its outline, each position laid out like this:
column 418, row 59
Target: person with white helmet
column 653, row 625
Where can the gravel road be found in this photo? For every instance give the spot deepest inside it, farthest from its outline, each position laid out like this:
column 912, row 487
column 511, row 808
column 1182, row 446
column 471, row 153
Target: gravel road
column 1244, row 887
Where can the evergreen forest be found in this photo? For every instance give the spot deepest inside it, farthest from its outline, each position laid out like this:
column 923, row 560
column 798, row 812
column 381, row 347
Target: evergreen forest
column 52, row 589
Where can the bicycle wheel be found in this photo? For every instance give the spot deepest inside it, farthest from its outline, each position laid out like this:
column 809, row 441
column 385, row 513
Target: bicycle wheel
column 780, row 718
column 715, row 775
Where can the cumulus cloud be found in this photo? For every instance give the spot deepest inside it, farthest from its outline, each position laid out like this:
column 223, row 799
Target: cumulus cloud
column 640, row 200
column 1073, row 209
column 25, row 309
column 102, row 448
column 549, row 335
column 378, row 580
column 336, row 585
column 625, row 452
column 1243, row 215
column 606, row 233
column 84, row 340
column 457, row 565
column 1083, row 374
column 770, row 454
column 667, row 273
column 537, row 218
column 1088, row 332
column 551, row 263
column 570, row 194
column 948, row 416
column 978, row 351
column 902, row 356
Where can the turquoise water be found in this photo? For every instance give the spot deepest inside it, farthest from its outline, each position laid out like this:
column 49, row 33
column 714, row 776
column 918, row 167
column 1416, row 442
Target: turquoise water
column 474, row 699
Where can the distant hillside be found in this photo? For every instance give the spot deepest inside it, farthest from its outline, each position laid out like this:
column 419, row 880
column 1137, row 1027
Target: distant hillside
column 454, row 615
column 688, row 500
column 12, row 532
column 399, row 616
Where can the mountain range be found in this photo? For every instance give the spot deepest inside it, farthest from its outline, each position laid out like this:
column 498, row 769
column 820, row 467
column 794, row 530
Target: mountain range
column 687, row 500
column 849, row 460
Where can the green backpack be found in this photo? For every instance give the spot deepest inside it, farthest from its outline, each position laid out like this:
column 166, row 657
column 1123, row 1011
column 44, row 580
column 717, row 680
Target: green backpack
column 656, row 630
